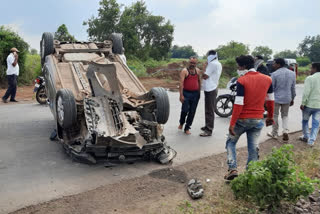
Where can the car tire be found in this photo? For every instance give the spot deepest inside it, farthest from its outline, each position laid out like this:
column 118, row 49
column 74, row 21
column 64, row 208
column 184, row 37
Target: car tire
column 66, row 109
column 46, row 46
column 117, row 43
column 162, row 104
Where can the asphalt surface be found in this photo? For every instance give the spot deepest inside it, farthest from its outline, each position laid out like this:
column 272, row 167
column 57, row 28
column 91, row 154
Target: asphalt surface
column 33, row 169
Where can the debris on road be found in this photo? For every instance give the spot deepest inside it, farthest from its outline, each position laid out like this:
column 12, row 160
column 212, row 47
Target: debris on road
column 195, row 189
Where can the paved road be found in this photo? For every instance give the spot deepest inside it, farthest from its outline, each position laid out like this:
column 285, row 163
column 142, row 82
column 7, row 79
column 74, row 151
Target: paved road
column 34, row 169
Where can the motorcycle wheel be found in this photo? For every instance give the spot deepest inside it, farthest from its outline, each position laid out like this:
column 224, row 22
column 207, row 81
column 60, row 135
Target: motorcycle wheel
column 224, row 106
column 41, row 95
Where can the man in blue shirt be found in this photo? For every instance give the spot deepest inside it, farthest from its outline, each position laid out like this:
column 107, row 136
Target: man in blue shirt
column 284, row 85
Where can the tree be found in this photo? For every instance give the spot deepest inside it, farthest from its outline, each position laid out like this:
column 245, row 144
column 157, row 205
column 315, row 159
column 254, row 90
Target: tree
column 144, row 35
column 99, row 28
column 33, row 51
column 232, row 50
column 8, row 40
column 263, row 51
column 310, row 47
column 62, row 34
column 286, row 54
column 182, row 52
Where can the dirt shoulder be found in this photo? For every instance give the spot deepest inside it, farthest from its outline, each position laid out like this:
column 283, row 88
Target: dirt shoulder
column 24, row 94
column 162, row 191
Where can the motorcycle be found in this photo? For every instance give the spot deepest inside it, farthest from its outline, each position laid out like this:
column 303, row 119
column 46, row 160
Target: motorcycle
column 224, row 102
column 40, row 90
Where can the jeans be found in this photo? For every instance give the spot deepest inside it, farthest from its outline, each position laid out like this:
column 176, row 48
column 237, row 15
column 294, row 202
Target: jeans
column 12, row 87
column 284, row 109
column 253, row 129
column 306, row 114
column 209, row 103
column 189, row 107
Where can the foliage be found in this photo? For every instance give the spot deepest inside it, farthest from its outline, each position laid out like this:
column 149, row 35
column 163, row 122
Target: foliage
column 273, row 180
column 286, row 54
column 144, row 35
column 99, row 28
column 62, row 34
column 8, row 40
column 33, row 51
column 232, row 50
column 303, row 61
column 182, row 52
column 33, row 68
column 263, row 51
column 310, row 47
column 229, row 67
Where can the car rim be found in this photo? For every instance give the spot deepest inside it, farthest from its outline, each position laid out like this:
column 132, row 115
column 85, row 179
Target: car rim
column 60, row 111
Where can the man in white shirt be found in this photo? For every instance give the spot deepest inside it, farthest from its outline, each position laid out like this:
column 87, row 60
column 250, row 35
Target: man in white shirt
column 210, row 86
column 12, row 74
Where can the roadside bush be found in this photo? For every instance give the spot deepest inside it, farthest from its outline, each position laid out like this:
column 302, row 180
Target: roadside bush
column 137, row 67
column 230, row 67
column 275, row 179
column 32, row 69
column 8, row 40
column 303, row 61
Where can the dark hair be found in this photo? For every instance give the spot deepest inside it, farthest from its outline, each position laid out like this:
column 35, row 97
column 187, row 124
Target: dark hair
column 259, row 57
column 316, row 65
column 212, row 52
column 245, row 61
column 280, row 61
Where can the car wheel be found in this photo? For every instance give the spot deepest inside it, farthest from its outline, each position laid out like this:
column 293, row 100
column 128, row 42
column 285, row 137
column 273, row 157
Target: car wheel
column 162, row 104
column 66, row 109
column 117, row 43
column 46, row 46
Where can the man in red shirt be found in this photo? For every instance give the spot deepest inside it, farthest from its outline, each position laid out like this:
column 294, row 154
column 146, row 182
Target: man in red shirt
column 253, row 89
column 189, row 94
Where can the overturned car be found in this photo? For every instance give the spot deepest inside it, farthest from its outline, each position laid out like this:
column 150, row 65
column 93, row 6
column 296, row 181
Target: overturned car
column 101, row 109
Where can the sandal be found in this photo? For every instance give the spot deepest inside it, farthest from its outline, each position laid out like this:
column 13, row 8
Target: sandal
column 195, row 189
column 232, row 174
column 187, row 132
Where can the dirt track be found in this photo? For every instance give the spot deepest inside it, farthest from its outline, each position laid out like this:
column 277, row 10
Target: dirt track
column 161, row 191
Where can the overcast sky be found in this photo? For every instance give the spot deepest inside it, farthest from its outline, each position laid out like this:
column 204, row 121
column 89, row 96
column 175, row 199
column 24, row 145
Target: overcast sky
column 204, row 24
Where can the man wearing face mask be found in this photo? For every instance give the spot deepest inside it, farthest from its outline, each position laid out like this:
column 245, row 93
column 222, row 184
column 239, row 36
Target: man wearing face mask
column 210, row 84
column 189, row 94
column 253, row 89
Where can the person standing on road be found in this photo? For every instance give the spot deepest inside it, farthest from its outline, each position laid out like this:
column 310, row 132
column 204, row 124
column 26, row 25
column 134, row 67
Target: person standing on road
column 259, row 66
column 311, row 105
column 247, row 115
column 284, row 86
column 189, row 94
column 12, row 75
column 210, row 84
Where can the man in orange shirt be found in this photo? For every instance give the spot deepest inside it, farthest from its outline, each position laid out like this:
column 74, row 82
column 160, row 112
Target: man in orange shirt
column 253, row 89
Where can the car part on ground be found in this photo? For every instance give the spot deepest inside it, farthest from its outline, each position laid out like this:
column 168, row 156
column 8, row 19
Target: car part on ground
column 195, row 189
column 101, row 108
